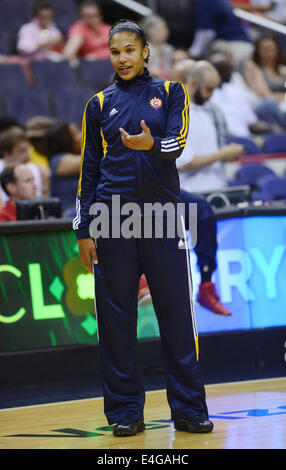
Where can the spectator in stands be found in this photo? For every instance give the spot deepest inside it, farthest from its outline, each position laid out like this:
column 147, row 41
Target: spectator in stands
column 265, row 73
column 272, row 9
column 6, row 122
column 17, row 181
column 201, row 162
column 206, row 245
column 217, row 28
column 161, row 52
column 37, row 129
column 88, row 37
column 41, row 39
column 254, row 6
column 64, row 141
column 241, row 119
column 15, row 147
column 179, row 55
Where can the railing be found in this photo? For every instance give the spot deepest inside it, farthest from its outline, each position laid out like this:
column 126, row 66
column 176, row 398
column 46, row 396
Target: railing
column 258, row 20
column 135, row 6
column 243, row 15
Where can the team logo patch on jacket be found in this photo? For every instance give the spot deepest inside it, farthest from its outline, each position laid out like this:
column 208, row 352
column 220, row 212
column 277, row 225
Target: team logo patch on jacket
column 155, row 103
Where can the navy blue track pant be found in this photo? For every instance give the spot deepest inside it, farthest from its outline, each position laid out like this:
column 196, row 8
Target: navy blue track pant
column 121, row 263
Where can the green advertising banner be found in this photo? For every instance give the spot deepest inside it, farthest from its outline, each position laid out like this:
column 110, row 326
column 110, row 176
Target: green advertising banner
column 47, row 296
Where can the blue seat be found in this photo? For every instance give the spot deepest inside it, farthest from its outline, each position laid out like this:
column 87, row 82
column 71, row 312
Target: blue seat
column 14, row 13
column 270, row 188
column 12, row 77
column 250, row 173
column 70, row 105
column 7, row 43
column 97, row 74
column 25, row 105
column 65, row 13
column 275, row 143
column 54, row 76
column 250, row 146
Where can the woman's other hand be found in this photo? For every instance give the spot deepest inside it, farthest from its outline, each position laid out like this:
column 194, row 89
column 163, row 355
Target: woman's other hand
column 87, row 253
column 143, row 141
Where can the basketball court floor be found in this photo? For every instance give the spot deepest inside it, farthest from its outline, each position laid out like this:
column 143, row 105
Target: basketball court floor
column 246, row 415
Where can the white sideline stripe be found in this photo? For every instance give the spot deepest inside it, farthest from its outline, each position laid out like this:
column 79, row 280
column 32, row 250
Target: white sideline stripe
column 222, row 384
column 189, row 280
column 97, row 332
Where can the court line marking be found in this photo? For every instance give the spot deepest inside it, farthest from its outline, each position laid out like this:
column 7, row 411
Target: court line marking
column 222, row 384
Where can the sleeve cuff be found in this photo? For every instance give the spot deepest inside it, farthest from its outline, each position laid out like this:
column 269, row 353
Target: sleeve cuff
column 82, row 232
column 156, row 149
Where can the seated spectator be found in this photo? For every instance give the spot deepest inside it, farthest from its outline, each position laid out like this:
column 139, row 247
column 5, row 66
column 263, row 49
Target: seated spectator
column 37, row 129
column 161, row 52
column 41, row 39
column 18, row 183
column 6, row 122
column 217, row 28
column 88, row 37
column 64, row 142
column 273, row 10
column 254, row 6
column 180, row 54
column 201, row 162
column 265, row 73
column 15, row 148
column 241, row 120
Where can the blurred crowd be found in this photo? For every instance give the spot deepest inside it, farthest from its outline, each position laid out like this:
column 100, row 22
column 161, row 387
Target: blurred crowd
column 237, row 102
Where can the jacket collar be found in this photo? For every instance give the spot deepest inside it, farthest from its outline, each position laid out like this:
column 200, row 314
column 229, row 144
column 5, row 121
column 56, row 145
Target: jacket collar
column 138, row 80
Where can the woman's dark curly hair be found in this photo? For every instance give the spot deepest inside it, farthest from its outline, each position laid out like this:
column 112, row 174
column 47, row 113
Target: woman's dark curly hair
column 60, row 139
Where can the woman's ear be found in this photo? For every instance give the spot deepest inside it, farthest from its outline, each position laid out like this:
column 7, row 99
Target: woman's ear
column 146, row 53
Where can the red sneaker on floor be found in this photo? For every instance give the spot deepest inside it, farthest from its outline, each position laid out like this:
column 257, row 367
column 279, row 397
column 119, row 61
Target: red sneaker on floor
column 207, row 297
column 144, row 296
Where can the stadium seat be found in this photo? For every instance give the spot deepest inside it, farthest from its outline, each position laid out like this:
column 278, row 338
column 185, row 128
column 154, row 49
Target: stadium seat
column 14, row 13
column 250, row 173
column 70, row 105
column 12, row 77
column 275, row 143
column 23, row 106
column 270, row 188
column 96, row 75
column 7, row 43
column 65, row 13
column 250, row 146
column 54, row 76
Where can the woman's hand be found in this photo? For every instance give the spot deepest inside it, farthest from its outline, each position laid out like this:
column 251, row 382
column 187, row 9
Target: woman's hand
column 87, row 253
column 143, row 141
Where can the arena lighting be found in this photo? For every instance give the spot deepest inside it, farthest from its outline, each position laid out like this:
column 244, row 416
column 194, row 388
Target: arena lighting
column 244, row 15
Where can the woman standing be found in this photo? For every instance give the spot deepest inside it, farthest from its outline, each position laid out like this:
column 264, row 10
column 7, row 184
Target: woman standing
column 132, row 133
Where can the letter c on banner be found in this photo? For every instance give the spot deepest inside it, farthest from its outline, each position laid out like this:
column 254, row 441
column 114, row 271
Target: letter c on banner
column 21, row 312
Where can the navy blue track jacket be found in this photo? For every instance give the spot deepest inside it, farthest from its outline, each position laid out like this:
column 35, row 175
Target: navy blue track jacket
column 109, row 168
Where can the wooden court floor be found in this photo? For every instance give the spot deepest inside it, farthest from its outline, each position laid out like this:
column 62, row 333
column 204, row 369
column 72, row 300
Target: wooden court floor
column 246, row 415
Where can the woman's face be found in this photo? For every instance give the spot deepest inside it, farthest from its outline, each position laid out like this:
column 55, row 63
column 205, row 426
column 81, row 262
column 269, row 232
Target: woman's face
column 91, row 16
column 267, row 52
column 159, row 33
column 127, row 54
